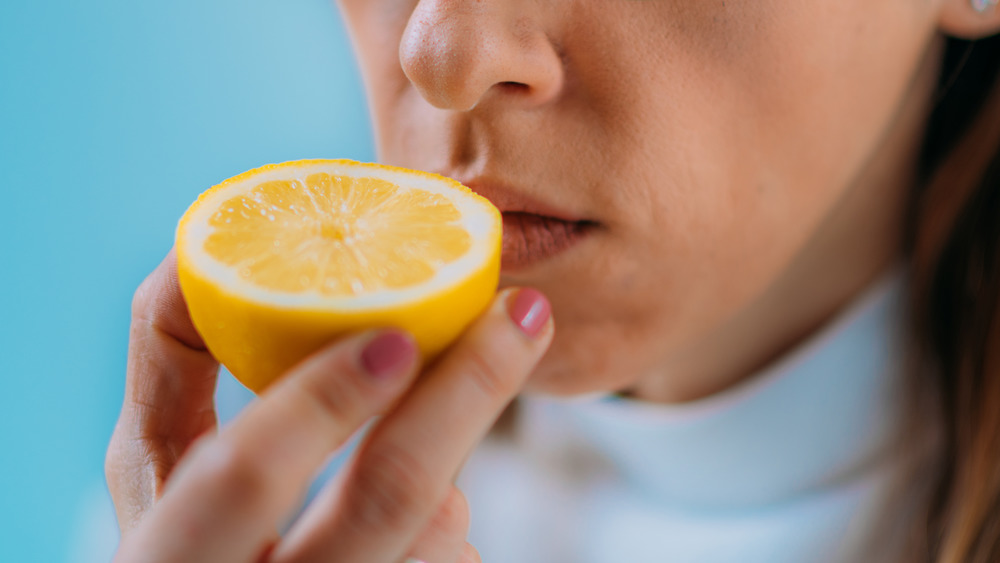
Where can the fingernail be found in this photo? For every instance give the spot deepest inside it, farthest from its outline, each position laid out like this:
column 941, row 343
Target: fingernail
column 530, row 310
column 388, row 354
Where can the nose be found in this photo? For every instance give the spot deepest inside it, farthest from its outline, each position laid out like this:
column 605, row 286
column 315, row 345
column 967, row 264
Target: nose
column 458, row 52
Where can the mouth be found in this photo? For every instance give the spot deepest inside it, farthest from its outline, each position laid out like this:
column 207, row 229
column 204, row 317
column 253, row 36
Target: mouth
column 533, row 231
column 529, row 238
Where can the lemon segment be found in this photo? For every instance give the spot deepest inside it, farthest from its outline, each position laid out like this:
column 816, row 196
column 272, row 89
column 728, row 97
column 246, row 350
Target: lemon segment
column 277, row 262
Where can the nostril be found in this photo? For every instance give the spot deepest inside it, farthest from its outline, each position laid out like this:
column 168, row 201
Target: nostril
column 513, row 87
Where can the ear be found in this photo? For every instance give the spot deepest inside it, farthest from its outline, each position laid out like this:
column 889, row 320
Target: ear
column 962, row 19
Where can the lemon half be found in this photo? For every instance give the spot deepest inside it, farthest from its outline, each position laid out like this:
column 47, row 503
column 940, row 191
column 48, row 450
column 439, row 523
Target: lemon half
column 277, row 262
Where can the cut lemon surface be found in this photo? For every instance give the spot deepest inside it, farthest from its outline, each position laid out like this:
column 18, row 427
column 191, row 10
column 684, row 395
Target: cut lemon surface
column 277, row 262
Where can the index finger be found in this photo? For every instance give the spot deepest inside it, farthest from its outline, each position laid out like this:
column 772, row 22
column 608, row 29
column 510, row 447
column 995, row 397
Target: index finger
column 225, row 500
column 169, row 387
column 169, row 367
column 407, row 463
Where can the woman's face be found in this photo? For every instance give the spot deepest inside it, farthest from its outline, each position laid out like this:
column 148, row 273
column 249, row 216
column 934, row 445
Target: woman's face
column 663, row 165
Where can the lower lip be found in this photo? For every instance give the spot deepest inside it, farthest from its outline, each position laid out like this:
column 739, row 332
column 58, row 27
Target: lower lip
column 529, row 239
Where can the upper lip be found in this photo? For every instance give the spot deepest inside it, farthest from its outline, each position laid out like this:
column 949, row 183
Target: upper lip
column 510, row 200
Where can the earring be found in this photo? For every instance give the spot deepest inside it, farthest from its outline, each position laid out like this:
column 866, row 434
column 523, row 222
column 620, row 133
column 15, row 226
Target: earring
column 983, row 6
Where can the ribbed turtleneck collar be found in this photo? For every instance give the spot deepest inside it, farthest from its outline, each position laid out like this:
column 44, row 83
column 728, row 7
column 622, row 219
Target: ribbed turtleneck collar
column 824, row 413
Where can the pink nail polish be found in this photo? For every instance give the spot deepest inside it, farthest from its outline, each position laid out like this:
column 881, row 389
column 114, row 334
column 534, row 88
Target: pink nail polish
column 388, row 354
column 530, row 310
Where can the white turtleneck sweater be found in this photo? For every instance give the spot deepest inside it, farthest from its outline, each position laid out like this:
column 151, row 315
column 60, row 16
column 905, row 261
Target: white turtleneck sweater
column 792, row 466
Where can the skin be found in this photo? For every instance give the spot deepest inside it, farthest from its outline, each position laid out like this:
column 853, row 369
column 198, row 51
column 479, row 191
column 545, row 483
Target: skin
column 745, row 189
column 746, row 162
column 186, row 492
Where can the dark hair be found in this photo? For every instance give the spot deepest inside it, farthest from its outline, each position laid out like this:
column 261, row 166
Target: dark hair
column 953, row 247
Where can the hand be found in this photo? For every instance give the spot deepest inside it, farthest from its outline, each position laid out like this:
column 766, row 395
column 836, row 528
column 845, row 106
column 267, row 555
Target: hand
column 184, row 492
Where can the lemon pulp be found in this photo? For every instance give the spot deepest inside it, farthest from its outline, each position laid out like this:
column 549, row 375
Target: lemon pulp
column 336, row 235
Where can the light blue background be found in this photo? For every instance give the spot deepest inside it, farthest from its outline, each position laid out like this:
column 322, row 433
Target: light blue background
column 114, row 115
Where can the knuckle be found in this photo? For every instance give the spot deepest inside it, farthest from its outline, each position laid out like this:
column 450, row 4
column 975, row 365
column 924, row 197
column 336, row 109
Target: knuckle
column 492, row 375
column 334, row 398
column 113, row 471
column 112, row 457
column 124, row 458
column 150, row 306
column 141, row 298
column 390, row 491
column 158, row 298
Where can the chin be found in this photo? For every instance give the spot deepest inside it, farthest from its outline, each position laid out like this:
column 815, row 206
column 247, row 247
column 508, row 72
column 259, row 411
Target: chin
column 560, row 375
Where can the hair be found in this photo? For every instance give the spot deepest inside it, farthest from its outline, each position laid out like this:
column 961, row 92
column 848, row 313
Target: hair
column 953, row 253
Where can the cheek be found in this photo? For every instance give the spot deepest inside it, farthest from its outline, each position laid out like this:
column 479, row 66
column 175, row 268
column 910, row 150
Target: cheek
column 727, row 156
column 754, row 128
